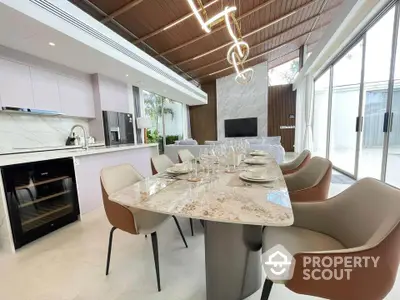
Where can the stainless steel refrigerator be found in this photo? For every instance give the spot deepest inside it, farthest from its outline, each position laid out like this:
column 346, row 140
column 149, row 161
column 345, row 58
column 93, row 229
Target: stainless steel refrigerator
column 118, row 128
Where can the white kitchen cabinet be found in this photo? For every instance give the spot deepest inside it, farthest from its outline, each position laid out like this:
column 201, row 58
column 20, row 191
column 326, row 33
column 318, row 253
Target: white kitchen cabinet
column 113, row 95
column 15, row 85
column 45, row 90
column 76, row 97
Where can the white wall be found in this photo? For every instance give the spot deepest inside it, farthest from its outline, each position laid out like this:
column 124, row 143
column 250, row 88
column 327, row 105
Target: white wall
column 243, row 101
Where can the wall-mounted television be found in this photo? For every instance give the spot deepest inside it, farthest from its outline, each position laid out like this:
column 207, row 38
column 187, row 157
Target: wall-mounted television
column 245, row 127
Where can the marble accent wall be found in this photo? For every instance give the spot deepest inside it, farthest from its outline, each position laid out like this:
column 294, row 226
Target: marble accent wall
column 32, row 131
column 243, row 101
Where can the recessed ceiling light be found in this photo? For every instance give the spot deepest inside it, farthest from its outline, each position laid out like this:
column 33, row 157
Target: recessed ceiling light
column 51, row 44
column 127, row 75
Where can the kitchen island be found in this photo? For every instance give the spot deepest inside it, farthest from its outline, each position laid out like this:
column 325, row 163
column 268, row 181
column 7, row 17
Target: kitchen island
column 87, row 166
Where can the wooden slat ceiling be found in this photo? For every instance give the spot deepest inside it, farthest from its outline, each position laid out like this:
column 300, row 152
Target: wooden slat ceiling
column 274, row 29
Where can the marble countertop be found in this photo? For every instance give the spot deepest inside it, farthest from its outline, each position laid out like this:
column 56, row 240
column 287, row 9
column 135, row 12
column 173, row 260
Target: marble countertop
column 17, row 158
column 224, row 199
column 43, row 149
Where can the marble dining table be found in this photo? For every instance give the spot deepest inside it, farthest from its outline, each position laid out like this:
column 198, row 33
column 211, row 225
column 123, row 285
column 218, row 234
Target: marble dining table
column 234, row 211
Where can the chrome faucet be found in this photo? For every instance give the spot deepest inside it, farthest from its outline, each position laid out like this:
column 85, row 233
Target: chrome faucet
column 85, row 144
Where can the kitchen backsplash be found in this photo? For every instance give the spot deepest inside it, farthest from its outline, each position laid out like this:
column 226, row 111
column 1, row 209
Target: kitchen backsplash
column 32, row 131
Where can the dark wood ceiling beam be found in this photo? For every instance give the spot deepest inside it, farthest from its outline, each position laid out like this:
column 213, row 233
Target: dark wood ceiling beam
column 121, row 10
column 100, row 11
column 261, row 43
column 220, row 27
column 259, row 55
column 317, row 19
column 171, row 24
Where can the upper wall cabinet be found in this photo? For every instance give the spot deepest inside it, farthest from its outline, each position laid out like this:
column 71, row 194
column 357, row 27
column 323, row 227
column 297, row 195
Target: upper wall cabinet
column 113, row 94
column 45, row 90
column 15, row 85
column 76, row 97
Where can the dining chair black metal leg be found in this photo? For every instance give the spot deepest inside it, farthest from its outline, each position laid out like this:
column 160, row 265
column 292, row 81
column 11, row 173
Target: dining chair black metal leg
column 191, row 226
column 180, row 231
column 266, row 289
column 154, row 242
column 110, row 240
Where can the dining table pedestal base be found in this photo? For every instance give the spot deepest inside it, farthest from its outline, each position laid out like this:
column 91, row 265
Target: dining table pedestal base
column 233, row 260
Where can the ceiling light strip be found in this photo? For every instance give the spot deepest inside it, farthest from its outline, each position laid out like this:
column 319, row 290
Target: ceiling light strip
column 259, row 55
column 218, row 28
column 239, row 51
column 258, row 30
column 259, row 44
column 170, row 25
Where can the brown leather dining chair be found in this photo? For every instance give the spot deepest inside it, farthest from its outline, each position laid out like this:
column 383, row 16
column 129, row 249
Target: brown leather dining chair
column 161, row 163
column 298, row 163
column 133, row 221
column 363, row 221
column 311, row 183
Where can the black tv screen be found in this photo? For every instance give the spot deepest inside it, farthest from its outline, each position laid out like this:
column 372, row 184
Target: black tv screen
column 241, row 127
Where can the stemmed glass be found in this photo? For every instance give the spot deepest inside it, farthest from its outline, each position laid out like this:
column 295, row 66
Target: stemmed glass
column 220, row 152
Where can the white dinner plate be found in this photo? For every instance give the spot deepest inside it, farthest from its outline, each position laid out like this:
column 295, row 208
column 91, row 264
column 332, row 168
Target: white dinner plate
column 252, row 161
column 266, row 178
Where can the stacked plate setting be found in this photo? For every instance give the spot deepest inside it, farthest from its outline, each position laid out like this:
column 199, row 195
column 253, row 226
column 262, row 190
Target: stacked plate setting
column 178, row 169
column 256, row 161
column 258, row 153
column 257, row 175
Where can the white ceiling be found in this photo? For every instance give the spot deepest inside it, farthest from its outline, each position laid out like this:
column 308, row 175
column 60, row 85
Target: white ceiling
column 26, row 34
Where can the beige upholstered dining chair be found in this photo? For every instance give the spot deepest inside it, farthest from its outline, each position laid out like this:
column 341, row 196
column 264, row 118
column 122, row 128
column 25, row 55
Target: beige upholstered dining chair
column 161, row 163
column 311, row 183
column 299, row 162
column 185, row 155
column 363, row 221
column 130, row 220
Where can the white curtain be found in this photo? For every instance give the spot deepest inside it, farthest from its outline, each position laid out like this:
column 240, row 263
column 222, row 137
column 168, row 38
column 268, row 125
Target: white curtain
column 309, row 105
column 187, row 132
column 304, row 113
column 300, row 117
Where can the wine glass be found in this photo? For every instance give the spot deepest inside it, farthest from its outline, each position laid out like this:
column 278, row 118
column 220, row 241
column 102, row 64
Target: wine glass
column 220, row 151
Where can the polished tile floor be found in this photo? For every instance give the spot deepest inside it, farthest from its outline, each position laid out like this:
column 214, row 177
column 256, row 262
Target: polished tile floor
column 69, row 265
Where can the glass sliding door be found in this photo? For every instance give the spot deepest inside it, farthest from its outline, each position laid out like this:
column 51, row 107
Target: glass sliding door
column 173, row 121
column 378, row 50
column 393, row 155
column 153, row 109
column 320, row 114
column 345, row 109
